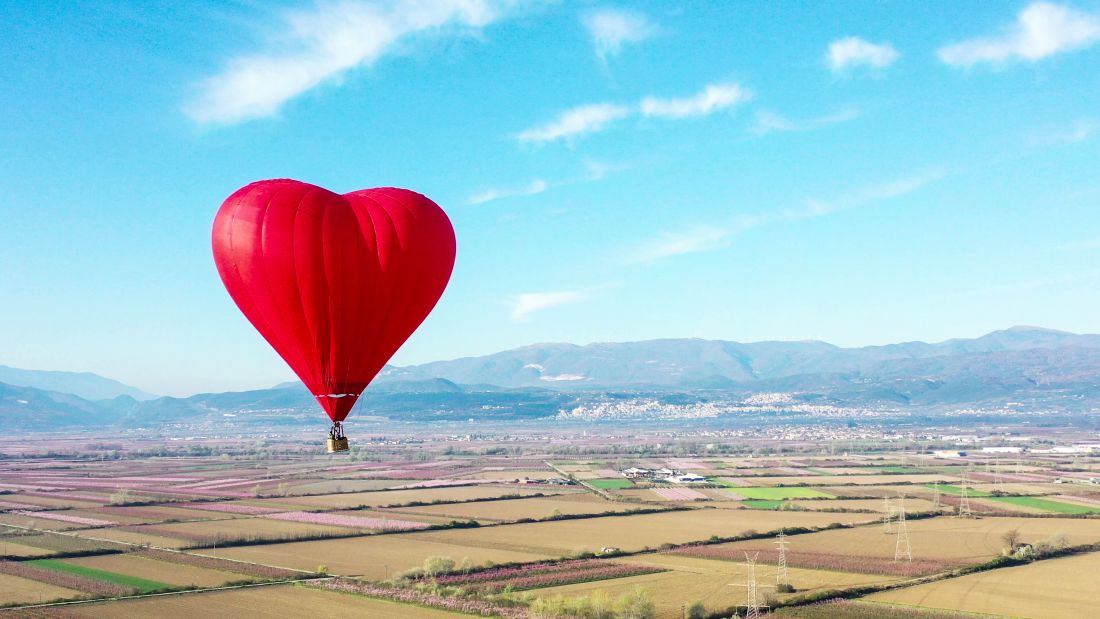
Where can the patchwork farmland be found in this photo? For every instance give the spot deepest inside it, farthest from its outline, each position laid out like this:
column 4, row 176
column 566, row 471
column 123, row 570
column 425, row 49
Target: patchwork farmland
column 428, row 534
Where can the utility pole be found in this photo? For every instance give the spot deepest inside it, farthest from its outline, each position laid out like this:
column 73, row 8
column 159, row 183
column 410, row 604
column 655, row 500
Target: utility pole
column 886, row 515
column 902, row 546
column 782, row 576
column 752, row 601
column 964, row 500
column 752, row 594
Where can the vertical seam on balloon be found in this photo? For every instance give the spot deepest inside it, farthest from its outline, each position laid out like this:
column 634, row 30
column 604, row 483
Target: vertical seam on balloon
column 302, row 356
column 383, row 328
column 298, row 295
column 334, row 294
column 349, row 352
column 372, row 251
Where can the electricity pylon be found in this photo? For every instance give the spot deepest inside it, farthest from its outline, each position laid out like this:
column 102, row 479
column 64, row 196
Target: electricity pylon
column 964, row 499
column 998, row 481
column 936, row 495
column 902, row 548
column 752, row 594
column 782, row 576
column 886, row 515
column 752, row 602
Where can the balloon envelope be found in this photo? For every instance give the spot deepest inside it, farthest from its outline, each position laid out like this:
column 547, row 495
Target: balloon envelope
column 335, row 283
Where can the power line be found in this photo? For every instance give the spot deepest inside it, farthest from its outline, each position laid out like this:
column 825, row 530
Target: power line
column 902, row 548
column 782, row 576
column 964, row 500
column 752, row 594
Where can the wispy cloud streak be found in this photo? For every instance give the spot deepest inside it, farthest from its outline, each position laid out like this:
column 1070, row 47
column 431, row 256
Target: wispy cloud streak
column 321, row 45
column 772, row 122
column 712, row 98
column 525, row 304
column 610, row 29
column 576, row 122
column 849, row 52
column 704, row 238
column 582, row 120
column 1041, row 30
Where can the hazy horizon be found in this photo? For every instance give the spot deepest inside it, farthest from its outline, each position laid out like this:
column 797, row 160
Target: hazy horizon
column 289, row 376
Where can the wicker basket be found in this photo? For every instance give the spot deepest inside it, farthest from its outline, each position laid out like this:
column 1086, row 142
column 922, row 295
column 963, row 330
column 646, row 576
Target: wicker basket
column 337, row 444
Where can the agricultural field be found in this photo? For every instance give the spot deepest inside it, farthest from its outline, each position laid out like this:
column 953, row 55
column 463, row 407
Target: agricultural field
column 210, row 531
column 713, row 583
column 937, row 544
column 633, row 532
column 516, row 509
column 14, row 589
column 876, row 505
column 1048, row 505
column 403, row 497
column 611, row 484
column 171, row 574
column 361, row 522
column 779, row 494
column 1053, row 588
column 376, row 557
column 848, row 480
column 268, row 602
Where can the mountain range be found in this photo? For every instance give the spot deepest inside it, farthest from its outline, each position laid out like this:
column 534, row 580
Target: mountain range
column 1027, row 367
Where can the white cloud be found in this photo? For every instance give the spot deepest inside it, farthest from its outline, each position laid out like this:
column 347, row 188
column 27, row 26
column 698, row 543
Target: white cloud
column 691, row 240
column 611, row 28
column 703, row 238
column 854, row 51
column 321, row 45
column 596, row 117
column 1083, row 129
column 523, row 305
column 576, row 122
column 863, row 196
column 1042, row 29
column 563, row 377
column 713, row 98
column 535, row 187
column 593, row 171
column 769, row 122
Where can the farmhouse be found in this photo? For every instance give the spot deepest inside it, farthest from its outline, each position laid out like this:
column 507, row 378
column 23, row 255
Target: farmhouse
column 655, row 474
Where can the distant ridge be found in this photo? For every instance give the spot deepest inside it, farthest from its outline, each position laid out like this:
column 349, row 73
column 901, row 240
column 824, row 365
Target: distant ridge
column 1020, row 369
column 678, row 362
column 81, row 384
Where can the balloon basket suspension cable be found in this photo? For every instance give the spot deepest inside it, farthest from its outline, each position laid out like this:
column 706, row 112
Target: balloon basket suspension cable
column 337, row 442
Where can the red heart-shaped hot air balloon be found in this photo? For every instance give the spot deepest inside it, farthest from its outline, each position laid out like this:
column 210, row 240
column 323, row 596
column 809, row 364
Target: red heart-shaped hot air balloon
column 335, row 283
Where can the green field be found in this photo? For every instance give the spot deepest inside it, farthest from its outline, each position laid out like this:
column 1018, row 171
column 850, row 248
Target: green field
column 142, row 585
column 957, row 490
column 778, row 494
column 1047, row 504
column 722, row 482
column 763, row 504
column 610, row 484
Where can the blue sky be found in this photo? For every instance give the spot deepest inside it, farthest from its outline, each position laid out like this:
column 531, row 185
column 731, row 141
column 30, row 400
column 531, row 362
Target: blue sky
column 852, row 172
